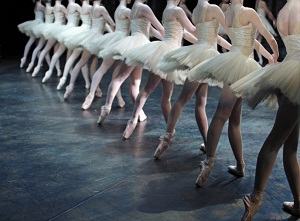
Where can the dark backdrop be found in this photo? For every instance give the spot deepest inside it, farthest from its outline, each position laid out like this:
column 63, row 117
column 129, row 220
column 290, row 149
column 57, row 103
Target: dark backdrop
column 12, row 42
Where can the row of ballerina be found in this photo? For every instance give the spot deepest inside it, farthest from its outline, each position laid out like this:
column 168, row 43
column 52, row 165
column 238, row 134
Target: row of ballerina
column 197, row 66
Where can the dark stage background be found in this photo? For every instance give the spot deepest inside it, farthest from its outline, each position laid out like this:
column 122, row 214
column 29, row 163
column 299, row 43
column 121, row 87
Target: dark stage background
column 13, row 42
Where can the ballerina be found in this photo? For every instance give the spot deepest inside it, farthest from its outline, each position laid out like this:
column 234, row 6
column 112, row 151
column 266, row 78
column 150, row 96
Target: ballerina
column 72, row 39
column 174, row 21
column 122, row 18
column 26, row 27
column 141, row 19
column 281, row 79
column 207, row 18
column 100, row 20
column 59, row 15
column 73, row 13
column 233, row 65
column 263, row 10
column 38, row 32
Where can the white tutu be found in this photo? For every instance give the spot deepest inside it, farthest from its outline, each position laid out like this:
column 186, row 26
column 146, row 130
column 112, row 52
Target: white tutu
column 283, row 76
column 56, row 27
column 96, row 32
column 139, row 36
column 122, row 31
column 26, row 27
column 73, row 36
column 149, row 55
column 39, row 28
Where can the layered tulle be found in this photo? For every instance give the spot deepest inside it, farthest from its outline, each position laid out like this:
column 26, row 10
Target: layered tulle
column 27, row 26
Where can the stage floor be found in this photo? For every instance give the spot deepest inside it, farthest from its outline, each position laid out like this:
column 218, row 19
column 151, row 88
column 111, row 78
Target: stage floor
column 56, row 163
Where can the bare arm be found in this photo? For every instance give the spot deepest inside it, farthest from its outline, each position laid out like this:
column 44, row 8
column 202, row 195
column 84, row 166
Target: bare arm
column 189, row 37
column 269, row 13
column 186, row 10
column 155, row 33
column 258, row 47
column 222, row 42
column 149, row 15
column 107, row 17
column 184, row 21
column 253, row 17
column 218, row 15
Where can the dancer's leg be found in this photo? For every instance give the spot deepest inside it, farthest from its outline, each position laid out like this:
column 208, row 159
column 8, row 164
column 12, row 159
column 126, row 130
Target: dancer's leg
column 57, row 64
column 235, row 138
column 106, row 64
column 75, row 54
column 113, row 88
column 26, row 50
column 49, row 45
column 152, row 82
column 200, row 112
column 224, row 109
column 61, row 49
column 187, row 92
column 35, row 52
column 284, row 129
column 165, row 102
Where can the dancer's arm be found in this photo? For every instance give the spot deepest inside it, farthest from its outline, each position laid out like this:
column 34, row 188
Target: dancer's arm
column 189, row 37
column 223, row 43
column 155, row 33
column 214, row 12
column 268, row 12
column 261, row 49
column 146, row 12
column 250, row 15
column 184, row 21
column 185, row 9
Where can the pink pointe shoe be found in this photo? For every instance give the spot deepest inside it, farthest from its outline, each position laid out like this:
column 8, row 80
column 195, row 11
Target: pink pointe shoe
column 104, row 113
column 47, row 76
column 251, row 207
column 205, row 170
column 142, row 116
column 88, row 101
column 163, row 145
column 129, row 129
column 69, row 90
column 290, row 209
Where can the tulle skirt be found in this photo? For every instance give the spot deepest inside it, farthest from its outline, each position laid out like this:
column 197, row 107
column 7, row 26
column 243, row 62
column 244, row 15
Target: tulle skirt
column 149, row 55
column 261, row 85
column 90, row 43
column 38, row 30
column 27, row 26
column 73, row 37
column 117, row 49
column 225, row 68
column 52, row 30
column 108, row 39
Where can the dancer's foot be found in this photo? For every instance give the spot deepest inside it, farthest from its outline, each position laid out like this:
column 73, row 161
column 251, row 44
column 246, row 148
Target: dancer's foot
column 203, row 148
column 36, row 71
column 163, row 145
column 88, row 101
column 87, row 86
column 205, row 170
column 251, row 207
column 237, row 170
column 47, row 76
column 69, row 90
column 30, row 66
column 59, row 73
column 23, row 60
column 62, row 82
column 121, row 103
column 289, row 208
column 129, row 129
column 104, row 113
column 98, row 92
column 142, row 116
